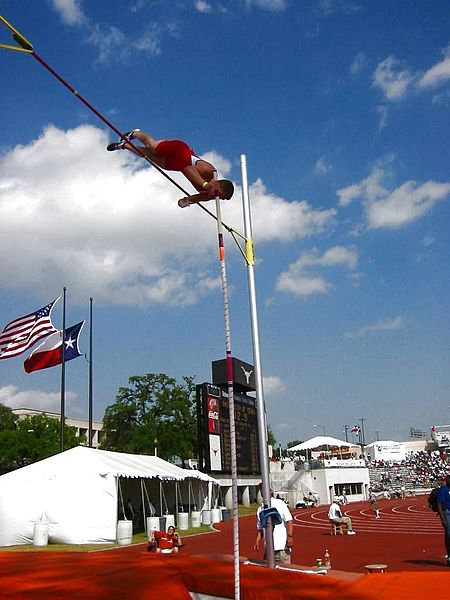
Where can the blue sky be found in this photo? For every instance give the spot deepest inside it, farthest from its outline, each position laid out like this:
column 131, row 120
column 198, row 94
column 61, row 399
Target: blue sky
column 342, row 109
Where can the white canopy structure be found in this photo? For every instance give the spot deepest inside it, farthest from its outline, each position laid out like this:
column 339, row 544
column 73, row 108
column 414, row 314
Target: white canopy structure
column 78, row 492
column 319, row 441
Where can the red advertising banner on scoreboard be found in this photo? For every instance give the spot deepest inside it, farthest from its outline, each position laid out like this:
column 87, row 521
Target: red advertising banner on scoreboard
column 213, row 415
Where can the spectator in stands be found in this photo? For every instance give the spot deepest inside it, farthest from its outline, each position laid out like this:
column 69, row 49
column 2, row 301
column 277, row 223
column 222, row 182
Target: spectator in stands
column 444, row 513
column 335, row 516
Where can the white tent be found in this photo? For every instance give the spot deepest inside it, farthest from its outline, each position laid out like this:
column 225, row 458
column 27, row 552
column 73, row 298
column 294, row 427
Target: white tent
column 386, row 450
column 319, row 441
column 77, row 492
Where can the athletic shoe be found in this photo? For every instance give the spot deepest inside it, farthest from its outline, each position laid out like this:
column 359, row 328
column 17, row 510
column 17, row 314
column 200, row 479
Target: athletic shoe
column 116, row 146
column 183, row 202
column 351, row 532
column 130, row 134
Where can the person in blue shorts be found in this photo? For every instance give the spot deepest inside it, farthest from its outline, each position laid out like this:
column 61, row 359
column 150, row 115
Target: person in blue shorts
column 444, row 513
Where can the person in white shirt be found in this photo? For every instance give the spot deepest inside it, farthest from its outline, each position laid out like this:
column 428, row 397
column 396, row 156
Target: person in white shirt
column 335, row 515
column 283, row 533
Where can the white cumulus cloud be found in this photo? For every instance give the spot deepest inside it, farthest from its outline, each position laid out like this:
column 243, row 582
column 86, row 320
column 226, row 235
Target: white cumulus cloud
column 382, row 325
column 393, row 209
column 437, row 74
column 108, row 225
column 11, row 396
column 302, row 279
column 393, row 78
column 70, row 11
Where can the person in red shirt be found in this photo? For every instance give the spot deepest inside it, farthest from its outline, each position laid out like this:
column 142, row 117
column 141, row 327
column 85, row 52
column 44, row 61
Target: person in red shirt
column 176, row 155
column 165, row 542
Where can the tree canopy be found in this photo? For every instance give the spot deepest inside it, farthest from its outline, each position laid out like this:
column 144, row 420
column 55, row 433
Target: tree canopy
column 154, row 413
column 25, row 441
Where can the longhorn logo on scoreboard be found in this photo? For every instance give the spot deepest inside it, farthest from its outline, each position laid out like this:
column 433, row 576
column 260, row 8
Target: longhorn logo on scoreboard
column 213, row 415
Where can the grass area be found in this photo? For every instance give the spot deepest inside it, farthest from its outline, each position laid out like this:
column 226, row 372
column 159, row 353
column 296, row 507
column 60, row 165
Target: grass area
column 138, row 538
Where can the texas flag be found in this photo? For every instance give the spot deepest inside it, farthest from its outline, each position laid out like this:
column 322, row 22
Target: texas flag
column 49, row 353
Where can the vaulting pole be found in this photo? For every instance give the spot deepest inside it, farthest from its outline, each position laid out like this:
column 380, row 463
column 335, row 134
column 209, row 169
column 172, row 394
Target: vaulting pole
column 229, row 369
column 261, row 409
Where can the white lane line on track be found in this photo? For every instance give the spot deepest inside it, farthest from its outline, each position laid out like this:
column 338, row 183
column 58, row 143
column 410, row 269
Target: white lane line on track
column 394, row 519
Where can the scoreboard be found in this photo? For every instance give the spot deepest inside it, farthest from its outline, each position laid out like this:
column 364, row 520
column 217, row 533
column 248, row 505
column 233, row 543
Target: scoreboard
column 214, row 430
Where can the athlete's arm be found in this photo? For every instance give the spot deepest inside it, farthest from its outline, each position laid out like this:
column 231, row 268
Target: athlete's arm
column 212, row 190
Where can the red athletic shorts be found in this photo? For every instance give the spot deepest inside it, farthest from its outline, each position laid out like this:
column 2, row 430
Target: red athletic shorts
column 178, row 155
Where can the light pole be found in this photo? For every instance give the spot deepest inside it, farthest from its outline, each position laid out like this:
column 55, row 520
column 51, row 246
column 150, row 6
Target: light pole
column 346, row 432
column 362, row 436
column 323, row 427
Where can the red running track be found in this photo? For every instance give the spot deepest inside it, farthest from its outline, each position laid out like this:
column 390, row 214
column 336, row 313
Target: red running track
column 407, row 537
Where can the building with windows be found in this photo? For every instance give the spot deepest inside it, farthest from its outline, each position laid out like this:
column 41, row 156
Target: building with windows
column 81, row 425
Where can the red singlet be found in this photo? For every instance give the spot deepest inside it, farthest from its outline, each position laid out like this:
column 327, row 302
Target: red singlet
column 178, row 155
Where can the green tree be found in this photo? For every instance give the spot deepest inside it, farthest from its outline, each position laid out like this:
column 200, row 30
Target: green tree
column 271, row 439
column 34, row 438
column 7, row 418
column 294, row 443
column 154, row 410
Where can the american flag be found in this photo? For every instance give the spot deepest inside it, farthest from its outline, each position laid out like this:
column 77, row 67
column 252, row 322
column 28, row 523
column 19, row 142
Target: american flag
column 24, row 332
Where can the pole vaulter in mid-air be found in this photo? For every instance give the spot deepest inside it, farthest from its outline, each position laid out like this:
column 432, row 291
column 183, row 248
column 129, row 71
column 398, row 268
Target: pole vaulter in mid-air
column 176, row 155
column 164, row 155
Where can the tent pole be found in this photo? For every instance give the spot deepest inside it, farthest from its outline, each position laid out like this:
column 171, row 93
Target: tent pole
column 143, row 504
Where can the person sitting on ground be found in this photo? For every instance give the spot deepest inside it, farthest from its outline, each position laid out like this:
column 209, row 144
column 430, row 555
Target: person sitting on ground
column 335, row 516
column 164, row 542
column 308, row 501
column 176, row 155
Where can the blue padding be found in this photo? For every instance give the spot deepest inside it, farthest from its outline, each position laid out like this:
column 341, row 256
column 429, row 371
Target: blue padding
column 272, row 513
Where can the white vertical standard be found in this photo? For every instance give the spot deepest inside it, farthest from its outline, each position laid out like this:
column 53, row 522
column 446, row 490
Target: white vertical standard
column 260, row 405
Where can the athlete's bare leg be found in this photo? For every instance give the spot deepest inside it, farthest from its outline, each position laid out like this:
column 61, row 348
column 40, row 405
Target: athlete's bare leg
column 149, row 148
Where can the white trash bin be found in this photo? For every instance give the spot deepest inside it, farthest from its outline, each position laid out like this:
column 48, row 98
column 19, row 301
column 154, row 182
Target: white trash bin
column 216, row 515
column 152, row 524
column 40, row 534
column 170, row 521
column 183, row 521
column 196, row 518
column 124, row 532
column 206, row 517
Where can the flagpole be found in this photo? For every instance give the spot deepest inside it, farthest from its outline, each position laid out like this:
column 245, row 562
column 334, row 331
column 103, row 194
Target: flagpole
column 63, row 372
column 90, row 374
